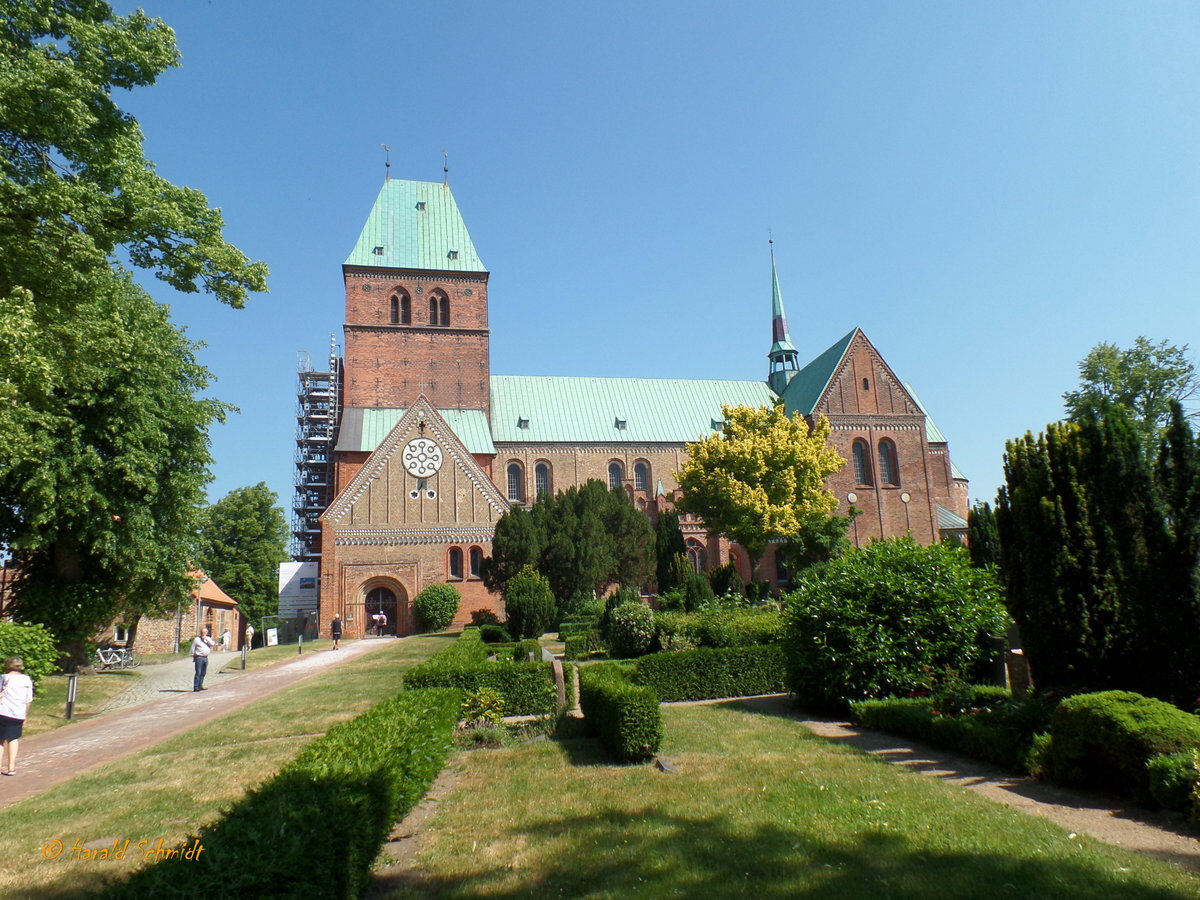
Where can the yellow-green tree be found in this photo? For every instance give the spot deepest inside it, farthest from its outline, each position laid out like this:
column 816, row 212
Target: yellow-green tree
column 761, row 477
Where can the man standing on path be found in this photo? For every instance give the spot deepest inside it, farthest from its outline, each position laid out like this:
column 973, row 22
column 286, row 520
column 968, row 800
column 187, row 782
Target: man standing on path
column 335, row 630
column 202, row 645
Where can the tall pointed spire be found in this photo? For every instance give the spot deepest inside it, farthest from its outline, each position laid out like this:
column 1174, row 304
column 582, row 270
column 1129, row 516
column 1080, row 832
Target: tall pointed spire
column 785, row 360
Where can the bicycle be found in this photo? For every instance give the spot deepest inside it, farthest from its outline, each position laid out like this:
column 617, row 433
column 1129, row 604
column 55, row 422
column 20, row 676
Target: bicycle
column 116, row 658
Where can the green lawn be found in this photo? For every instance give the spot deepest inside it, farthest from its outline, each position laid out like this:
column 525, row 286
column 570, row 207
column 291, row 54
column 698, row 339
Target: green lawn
column 169, row 790
column 49, row 710
column 759, row 808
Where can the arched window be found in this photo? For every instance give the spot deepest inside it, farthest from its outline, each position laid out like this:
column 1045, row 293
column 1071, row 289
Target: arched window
column 444, row 307
column 476, row 562
column 439, row 309
column 405, row 309
column 541, row 479
column 641, row 476
column 696, row 555
column 433, row 310
column 456, row 562
column 889, row 470
column 516, row 483
column 862, row 462
column 616, row 474
column 394, row 311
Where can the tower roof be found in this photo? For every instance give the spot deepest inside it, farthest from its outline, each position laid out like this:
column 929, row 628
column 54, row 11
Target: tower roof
column 782, row 340
column 416, row 225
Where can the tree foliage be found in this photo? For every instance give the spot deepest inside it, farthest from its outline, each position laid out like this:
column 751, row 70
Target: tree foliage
column 243, row 539
column 983, row 540
column 529, row 604
column 879, row 620
column 668, row 543
column 437, row 605
column 1144, row 379
column 1100, row 550
column 105, row 442
column 762, row 477
column 582, row 539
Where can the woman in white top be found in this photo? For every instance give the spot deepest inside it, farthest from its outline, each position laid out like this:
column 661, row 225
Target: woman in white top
column 16, row 693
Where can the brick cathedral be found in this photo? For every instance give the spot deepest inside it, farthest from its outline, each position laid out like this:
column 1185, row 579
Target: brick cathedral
column 411, row 449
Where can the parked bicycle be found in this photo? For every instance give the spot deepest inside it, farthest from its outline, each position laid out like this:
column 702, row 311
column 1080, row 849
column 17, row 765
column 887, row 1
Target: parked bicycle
column 116, row 658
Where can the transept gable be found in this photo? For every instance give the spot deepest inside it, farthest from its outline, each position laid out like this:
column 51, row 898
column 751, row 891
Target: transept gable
column 420, row 476
column 862, row 383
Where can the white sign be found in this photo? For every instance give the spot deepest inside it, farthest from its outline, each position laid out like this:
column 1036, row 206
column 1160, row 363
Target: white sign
column 272, row 637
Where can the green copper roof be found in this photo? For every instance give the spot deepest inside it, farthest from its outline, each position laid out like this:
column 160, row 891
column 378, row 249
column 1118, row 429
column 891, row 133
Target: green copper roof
column 948, row 519
column 805, row 390
column 533, row 408
column 933, row 434
column 364, row 428
column 416, row 225
column 781, row 338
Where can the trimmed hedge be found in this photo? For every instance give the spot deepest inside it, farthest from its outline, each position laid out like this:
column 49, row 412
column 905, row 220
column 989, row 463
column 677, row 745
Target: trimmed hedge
column 1172, row 778
column 436, row 606
column 1001, row 731
column 1106, row 739
column 527, row 687
column 625, row 716
column 711, row 673
column 314, row 829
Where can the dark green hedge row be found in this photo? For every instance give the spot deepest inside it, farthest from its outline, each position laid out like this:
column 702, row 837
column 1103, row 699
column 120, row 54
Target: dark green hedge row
column 1107, row 740
column 567, row 629
column 625, row 716
column 999, row 732
column 580, row 644
column 527, row 687
column 710, row 673
column 314, row 829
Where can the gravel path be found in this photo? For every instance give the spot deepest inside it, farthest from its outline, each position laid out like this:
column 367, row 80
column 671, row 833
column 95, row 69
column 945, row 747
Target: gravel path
column 152, row 714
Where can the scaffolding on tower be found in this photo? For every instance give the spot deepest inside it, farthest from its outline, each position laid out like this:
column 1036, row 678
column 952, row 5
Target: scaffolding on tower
column 318, row 413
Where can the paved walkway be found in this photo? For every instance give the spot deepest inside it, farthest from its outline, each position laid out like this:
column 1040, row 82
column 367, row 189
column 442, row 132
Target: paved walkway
column 161, row 705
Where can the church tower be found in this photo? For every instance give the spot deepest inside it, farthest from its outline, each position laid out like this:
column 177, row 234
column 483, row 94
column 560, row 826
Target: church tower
column 785, row 360
column 416, row 305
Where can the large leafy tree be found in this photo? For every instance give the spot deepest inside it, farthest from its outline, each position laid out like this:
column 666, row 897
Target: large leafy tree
column 1143, row 379
column 762, row 477
column 243, row 539
column 1100, row 553
column 105, row 442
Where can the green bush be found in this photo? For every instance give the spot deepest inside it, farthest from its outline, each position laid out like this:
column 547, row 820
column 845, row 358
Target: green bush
column 1000, row 729
column 631, row 629
column 34, row 644
column 726, row 580
column 575, row 646
column 529, row 604
column 708, row 674
column 522, row 650
column 481, row 617
column 874, row 622
column 1172, row 779
column 527, row 687
column 494, row 634
column 625, row 716
column 736, row 626
column 483, row 707
column 315, row 828
column 1106, row 739
column 436, row 606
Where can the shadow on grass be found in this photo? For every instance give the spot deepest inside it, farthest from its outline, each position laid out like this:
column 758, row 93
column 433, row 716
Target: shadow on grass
column 652, row 854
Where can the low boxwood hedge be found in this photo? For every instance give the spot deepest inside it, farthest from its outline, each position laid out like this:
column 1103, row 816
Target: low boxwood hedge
column 711, row 673
column 314, row 829
column 625, row 716
column 1107, row 739
column 527, row 687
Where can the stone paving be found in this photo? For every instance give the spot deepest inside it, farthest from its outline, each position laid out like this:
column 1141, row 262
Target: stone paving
column 163, row 707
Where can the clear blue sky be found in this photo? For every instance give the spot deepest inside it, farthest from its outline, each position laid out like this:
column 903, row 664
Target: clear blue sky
column 987, row 189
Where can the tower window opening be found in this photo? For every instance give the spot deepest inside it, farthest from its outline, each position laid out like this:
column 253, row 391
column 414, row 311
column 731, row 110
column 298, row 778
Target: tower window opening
column 516, row 483
column 889, row 471
column 378, row 251
column 862, row 462
column 616, row 474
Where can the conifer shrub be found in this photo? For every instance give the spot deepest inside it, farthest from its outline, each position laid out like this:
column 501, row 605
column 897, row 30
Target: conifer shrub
column 873, row 623
column 726, row 580
column 1172, row 778
column 34, row 644
column 630, row 629
column 529, row 604
column 315, row 828
column 711, row 673
column 436, row 606
column 626, row 717
column 495, row 634
column 1107, row 739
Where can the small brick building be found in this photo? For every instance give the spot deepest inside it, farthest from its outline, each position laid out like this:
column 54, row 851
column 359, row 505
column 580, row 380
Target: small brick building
column 206, row 605
column 431, row 448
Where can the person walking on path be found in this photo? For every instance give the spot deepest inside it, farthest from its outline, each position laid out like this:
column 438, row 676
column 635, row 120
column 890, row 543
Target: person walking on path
column 335, row 630
column 249, row 636
column 16, row 693
column 202, row 645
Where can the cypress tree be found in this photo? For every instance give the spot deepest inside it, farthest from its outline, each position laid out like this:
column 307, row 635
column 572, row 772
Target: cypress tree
column 667, row 545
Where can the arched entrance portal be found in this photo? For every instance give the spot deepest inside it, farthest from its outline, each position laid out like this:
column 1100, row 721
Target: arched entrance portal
column 381, row 612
